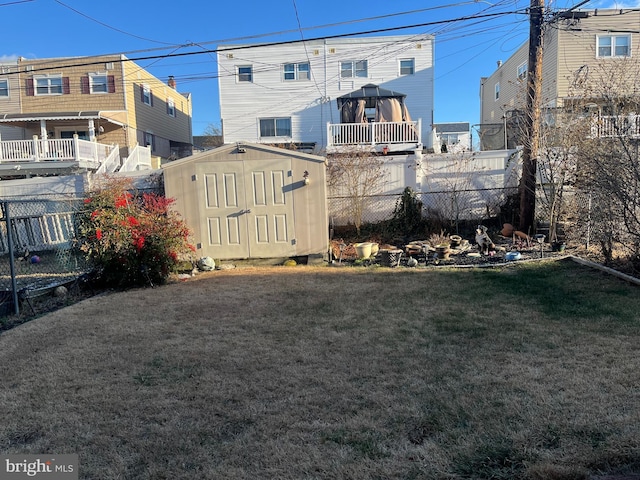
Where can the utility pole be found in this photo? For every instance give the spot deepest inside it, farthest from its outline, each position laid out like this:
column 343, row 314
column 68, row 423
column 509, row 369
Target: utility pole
column 532, row 119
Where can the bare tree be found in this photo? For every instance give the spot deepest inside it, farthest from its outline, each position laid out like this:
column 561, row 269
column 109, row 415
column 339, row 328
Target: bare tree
column 609, row 165
column 213, row 136
column 357, row 175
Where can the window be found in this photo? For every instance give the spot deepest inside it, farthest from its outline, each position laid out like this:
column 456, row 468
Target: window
column 4, row 88
column 296, row 71
column 449, row 138
column 148, row 140
column 354, row 69
column 146, row 95
column 407, row 66
column 275, row 127
column 98, row 83
column 171, row 107
column 497, row 91
column 48, row 85
column 522, row 71
column 245, row 73
column 614, row 46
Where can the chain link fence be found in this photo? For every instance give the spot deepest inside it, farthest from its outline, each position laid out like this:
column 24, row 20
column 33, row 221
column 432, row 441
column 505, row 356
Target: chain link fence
column 36, row 254
column 451, row 208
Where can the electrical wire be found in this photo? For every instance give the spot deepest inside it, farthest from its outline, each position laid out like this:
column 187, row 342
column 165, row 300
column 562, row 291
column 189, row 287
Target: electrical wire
column 108, row 26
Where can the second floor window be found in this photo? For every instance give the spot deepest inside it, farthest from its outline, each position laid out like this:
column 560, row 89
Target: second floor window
column 146, row 95
column 4, row 88
column 522, row 71
column 48, row 85
column 354, row 69
column 497, row 91
column 98, row 83
column 296, row 71
column 171, row 107
column 407, row 66
column 245, row 73
column 275, row 127
column 614, row 46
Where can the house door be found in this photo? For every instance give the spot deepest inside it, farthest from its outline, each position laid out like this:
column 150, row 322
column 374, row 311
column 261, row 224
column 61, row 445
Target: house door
column 247, row 209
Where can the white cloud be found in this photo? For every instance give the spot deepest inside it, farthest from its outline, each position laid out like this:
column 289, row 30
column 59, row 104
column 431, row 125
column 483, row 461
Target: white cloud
column 613, row 4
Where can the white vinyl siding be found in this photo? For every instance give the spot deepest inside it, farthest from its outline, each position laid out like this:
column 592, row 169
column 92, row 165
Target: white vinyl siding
column 311, row 105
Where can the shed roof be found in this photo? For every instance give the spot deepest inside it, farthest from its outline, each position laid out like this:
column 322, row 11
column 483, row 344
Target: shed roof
column 221, row 154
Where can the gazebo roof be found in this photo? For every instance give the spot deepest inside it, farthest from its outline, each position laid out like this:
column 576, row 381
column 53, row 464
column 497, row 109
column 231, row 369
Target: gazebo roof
column 369, row 91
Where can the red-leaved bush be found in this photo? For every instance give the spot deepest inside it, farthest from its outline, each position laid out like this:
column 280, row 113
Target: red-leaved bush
column 131, row 239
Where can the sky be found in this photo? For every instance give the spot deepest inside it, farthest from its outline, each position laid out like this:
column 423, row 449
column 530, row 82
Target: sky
column 470, row 36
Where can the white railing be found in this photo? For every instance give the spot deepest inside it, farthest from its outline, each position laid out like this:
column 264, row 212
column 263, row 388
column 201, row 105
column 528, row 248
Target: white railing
column 616, row 126
column 87, row 154
column 138, row 159
column 373, row 134
column 111, row 163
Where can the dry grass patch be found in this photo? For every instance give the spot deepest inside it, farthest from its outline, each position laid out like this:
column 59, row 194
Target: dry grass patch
column 530, row 372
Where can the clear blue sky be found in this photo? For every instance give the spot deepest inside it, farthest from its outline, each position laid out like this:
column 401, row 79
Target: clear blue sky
column 466, row 50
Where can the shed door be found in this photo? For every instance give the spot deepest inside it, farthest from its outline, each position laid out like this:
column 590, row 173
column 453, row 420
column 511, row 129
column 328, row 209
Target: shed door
column 247, row 209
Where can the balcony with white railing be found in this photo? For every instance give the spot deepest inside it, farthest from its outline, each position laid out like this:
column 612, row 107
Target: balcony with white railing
column 85, row 154
column 608, row 126
column 383, row 137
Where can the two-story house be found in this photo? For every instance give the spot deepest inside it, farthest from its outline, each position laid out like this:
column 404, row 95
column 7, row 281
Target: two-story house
column 70, row 109
column 575, row 44
column 324, row 94
column 9, row 98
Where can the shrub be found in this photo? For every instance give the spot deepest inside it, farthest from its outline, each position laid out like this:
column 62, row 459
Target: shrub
column 131, row 239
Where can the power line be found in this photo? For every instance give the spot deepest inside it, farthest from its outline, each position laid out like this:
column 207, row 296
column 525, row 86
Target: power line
column 287, row 42
column 108, row 26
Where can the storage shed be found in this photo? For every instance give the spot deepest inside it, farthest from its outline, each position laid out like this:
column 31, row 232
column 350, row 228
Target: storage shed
column 252, row 201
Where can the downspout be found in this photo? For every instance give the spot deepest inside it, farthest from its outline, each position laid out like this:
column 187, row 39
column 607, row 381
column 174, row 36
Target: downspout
column 126, row 106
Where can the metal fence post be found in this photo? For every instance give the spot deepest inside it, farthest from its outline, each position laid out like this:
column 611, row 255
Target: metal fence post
column 12, row 265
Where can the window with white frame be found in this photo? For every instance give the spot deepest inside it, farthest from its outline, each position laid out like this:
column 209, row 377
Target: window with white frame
column 171, row 107
column 296, row 71
column 354, row 69
column 275, row 127
column 522, row 71
column 497, row 91
column 4, row 88
column 98, row 83
column 449, row 138
column 245, row 73
column 146, row 95
column 48, row 85
column 407, row 66
column 613, row 45
column 148, row 140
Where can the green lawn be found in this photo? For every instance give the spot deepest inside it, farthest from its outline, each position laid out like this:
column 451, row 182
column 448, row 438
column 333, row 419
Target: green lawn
column 525, row 372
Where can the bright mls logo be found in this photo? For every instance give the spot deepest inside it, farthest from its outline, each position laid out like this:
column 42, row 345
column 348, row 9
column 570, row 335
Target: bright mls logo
column 49, row 467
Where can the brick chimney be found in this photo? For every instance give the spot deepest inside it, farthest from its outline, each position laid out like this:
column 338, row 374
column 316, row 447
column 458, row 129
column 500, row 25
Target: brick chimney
column 171, row 82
